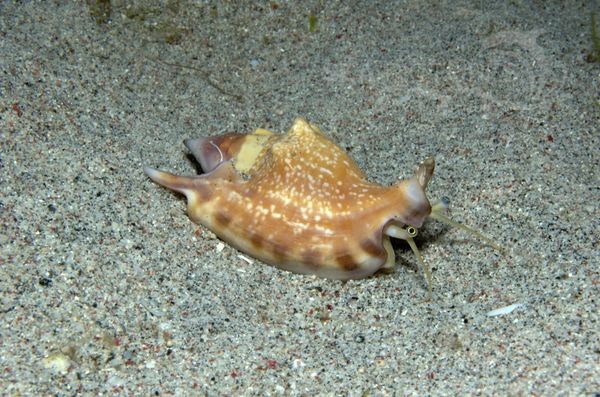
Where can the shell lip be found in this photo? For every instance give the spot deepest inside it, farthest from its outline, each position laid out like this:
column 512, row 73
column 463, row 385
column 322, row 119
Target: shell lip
column 416, row 207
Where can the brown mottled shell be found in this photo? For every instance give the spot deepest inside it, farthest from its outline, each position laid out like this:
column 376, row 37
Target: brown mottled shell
column 241, row 149
column 305, row 206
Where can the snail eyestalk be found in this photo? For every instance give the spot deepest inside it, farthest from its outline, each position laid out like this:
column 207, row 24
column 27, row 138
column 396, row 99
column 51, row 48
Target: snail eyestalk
column 407, row 234
column 440, row 207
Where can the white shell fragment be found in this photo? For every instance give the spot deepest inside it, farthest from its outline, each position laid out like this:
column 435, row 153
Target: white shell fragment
column 245, row 258
column 58, row 363
column 504, row 310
